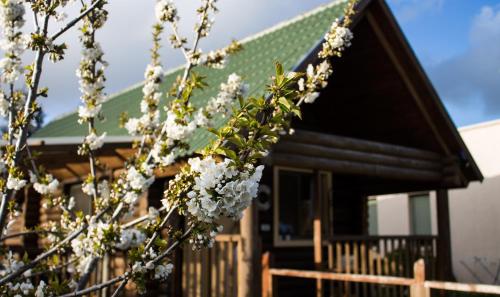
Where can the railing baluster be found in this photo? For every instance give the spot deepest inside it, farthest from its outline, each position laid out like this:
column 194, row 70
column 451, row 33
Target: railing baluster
column 355, row 254
column 347, row 259
column 364, row 265
column 338, row 246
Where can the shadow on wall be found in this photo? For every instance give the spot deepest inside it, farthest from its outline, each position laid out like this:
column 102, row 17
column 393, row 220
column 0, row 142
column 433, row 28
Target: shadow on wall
column 483, row 269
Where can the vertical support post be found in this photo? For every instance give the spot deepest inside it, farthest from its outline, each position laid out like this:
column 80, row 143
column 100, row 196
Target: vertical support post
column 444, row 264
column 267, row 288
column 246, row 253
column 418, row 289
column 317, row 237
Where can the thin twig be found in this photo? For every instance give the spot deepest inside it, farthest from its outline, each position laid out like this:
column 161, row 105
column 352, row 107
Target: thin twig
column 97, row 287
column 49, row 252
column 75, row 20
column 139, row 220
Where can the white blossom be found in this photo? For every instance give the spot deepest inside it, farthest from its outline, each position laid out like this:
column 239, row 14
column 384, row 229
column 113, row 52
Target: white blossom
column 220, row 189
column 4, row 105
column 14, row 183
column 311, row 97
column 137, row 180
column 229, row 92
column 88, row 188
column 87, row 112
column 71, row 203
column 49, row 187
column 13, row 42
column 95, row 142
column 39, row 290
column 165, row 11
column 163, row 271
column 130, row 238
column 132, row 126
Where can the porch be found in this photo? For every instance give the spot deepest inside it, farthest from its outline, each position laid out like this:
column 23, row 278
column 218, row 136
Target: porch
column 215, row 272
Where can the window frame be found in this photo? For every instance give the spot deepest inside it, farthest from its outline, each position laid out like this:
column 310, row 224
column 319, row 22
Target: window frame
column 277, row 241
column 411, row 216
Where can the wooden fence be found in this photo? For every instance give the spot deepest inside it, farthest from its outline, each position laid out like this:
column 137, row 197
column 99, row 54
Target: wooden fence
column 382, row 255
column 418, row 285
column 212, row 272
column 378, row 255
column 206, row 273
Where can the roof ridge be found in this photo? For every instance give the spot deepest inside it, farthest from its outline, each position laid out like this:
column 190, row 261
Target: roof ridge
column 479, row 125
column 288, row 22
column 247, row 39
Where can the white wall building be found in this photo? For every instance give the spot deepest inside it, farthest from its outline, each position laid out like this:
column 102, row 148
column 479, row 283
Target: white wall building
column 474, row 212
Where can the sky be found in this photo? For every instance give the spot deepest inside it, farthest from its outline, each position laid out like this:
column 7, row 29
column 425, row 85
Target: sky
column 457, row 42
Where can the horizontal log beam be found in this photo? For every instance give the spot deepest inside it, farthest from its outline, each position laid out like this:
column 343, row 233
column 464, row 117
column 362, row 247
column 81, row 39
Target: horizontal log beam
column 356, row 278
column 355, row 168
column 314, row 150
column 354, row 144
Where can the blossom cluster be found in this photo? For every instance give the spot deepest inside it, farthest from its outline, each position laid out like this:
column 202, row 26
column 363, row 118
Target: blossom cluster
column 21, row 288
column 180, row 126
column 223, row 102
column 149, row 104
column 220, row 189
column 130, row 238
column 205, row 239
column 217, row 58
column 91, row 83
column 165, row 11
column 99, row 237
column 161, row 271
column 13, row 42
column 45, row 185
column 337, row 39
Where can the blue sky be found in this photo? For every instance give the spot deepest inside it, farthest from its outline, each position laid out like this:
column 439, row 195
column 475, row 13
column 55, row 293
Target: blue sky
column 457, row 41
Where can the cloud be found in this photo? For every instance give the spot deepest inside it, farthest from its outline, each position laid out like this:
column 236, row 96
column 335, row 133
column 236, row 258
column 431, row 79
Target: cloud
column 409, row 10
column 126, row 41
column 474, row 76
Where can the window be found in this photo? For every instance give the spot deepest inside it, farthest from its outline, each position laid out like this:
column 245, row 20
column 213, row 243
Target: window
column 293, row 206
column 372, row 216
column 420, row 214
column 82, row 201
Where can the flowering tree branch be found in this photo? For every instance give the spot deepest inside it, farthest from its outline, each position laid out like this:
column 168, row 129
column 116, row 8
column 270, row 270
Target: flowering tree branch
column 220, row 181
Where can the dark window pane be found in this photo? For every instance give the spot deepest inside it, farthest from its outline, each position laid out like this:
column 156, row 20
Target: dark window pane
column 295, row 205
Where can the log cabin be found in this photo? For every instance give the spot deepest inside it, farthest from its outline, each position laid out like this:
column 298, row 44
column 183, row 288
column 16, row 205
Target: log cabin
column 378, row 128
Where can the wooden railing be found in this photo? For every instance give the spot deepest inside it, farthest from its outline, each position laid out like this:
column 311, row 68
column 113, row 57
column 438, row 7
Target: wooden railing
column 381, row 255
column 212, row 272
column 378, row 255
column 417, row 286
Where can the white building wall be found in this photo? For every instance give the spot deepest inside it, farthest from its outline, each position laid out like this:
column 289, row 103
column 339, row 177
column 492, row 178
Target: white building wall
column 474, row 212
column 393, row 214
column 475, row 232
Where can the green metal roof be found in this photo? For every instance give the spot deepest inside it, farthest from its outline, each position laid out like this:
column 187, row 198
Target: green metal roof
column 289, row 43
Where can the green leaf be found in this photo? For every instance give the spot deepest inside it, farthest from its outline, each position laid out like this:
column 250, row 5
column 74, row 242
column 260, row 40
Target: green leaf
column 279, row 69
column 284, row 101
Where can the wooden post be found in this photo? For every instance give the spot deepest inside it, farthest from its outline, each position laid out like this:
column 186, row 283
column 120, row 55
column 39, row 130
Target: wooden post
column 267, row 289
column 444, row 264
column 317, row 237
column 418, row 289
column 246, row 253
